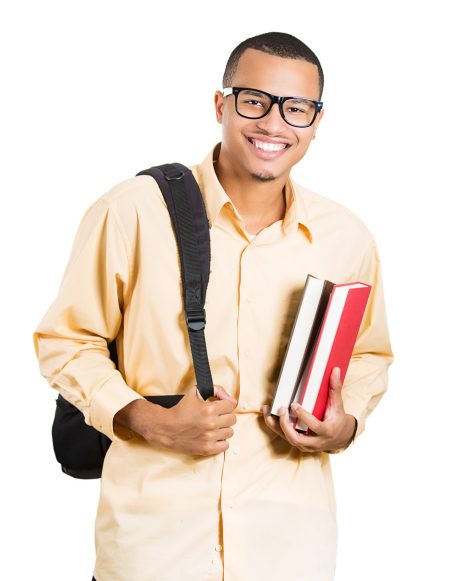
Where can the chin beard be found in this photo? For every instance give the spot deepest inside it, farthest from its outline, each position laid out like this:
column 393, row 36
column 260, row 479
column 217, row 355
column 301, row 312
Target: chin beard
column 263, row 177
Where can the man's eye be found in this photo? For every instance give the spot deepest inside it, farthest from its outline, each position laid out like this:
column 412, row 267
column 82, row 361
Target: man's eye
column 295, row 110
column 253, row 102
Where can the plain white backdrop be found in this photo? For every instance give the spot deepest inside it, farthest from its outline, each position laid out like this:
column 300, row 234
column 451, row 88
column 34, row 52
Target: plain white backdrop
column 85, row 104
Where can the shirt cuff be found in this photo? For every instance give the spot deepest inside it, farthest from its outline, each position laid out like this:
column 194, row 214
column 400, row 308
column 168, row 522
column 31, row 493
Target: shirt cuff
column 113, row 395
column 351, row 440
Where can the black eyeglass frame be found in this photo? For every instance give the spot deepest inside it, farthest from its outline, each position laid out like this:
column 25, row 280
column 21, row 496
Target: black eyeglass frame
column 273, row 99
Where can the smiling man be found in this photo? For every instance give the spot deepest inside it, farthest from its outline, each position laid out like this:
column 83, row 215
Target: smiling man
column 219, row 489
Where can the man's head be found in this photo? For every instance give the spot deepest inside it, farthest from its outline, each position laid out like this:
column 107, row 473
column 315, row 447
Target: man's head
column 281, row 65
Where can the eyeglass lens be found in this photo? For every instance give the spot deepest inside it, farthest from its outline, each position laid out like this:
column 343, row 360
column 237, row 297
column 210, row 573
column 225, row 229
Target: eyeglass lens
column 254, row 104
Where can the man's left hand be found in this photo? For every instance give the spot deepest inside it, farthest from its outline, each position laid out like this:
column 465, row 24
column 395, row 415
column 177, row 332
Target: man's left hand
column 335, row 432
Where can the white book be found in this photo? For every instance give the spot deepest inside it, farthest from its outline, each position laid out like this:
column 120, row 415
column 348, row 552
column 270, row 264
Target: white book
column 297, row 349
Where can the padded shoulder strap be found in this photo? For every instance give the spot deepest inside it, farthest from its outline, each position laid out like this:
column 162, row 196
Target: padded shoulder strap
column 187, row 210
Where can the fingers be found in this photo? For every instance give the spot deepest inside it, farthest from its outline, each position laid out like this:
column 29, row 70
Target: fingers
column 309, row 443
column 195, row 393
column 221, row 397
column 309, row 419
column 284, row 427
column 224, row 433
column 272, row 421
column 225, row 403
column 221, row 393
column 218, row 447
column 288, row 427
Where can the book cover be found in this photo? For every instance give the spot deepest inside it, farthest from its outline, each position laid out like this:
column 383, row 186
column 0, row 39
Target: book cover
column 333, row 347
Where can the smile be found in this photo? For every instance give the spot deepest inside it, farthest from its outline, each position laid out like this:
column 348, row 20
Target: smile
column 265, row 146
column 267, row 149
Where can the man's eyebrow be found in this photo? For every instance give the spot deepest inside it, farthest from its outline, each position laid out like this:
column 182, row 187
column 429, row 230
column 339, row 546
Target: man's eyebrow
column 301, row 100
column 256, row 93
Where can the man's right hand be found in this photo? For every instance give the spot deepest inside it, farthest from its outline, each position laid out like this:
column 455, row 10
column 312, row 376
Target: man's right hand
column 193, row 426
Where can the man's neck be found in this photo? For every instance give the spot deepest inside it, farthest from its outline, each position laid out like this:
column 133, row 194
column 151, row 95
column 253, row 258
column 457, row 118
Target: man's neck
column 260, row 203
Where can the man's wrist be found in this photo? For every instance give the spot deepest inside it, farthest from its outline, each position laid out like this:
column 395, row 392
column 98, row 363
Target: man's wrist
column 135, row 416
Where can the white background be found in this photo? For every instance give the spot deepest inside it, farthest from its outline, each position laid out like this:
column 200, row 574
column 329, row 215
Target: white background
column 85, row 105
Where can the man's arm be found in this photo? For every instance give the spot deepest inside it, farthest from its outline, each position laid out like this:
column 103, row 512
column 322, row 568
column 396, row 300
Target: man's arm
column 193, row 426
column 367, row 376
column 71, row 346
column 72, row 338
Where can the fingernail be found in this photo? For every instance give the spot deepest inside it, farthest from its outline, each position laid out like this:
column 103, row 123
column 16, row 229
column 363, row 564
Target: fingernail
column 282, row 411
column 294, row 407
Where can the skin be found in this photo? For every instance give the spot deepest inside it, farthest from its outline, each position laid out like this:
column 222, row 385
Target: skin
column 255, row 184
column 254, row 181
column 334, row 433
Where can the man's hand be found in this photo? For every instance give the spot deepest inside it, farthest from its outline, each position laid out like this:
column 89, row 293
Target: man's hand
column 333, row 433
column 193, row 426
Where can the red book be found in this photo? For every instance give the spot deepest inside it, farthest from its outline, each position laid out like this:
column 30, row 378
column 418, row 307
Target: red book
column 332, row 348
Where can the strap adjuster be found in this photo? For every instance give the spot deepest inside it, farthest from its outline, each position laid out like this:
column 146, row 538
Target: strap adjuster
column 173, row 175
column 196, row 320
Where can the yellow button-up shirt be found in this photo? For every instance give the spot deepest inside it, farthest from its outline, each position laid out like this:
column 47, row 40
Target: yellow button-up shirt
column 262, row 509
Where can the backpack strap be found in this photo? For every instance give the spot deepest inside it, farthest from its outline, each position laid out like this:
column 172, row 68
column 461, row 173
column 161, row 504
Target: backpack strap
column 187, row 210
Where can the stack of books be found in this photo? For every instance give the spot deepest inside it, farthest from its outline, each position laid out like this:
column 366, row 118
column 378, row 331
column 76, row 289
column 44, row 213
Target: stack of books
column 323, row 337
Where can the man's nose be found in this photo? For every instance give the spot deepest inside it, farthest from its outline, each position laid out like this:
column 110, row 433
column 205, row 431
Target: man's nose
column 272, row 122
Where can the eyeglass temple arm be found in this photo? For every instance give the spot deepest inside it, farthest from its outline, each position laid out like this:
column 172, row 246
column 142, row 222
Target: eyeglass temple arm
column 227, row 91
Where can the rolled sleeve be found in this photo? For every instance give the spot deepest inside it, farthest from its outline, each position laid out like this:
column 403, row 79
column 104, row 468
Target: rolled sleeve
column 71, row 341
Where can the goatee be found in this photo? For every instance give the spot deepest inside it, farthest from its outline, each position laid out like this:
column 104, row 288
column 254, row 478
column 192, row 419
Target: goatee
column 262, row 177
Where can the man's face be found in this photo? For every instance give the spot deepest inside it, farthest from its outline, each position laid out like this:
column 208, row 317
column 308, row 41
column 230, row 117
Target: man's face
column 240, row 142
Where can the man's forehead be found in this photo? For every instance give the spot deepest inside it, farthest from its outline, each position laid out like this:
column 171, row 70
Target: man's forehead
column 277, row 75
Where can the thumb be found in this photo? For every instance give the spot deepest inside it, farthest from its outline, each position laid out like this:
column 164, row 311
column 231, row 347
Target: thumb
column 221, row 393
column 194, row 392
column 335, row 388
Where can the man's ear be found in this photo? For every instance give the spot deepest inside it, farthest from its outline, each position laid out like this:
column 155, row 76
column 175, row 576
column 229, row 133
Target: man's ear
column 316, row 122
column 219, row 104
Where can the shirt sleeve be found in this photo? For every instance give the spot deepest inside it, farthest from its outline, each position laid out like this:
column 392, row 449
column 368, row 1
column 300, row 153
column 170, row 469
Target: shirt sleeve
column 367, row 376
column 71, row 341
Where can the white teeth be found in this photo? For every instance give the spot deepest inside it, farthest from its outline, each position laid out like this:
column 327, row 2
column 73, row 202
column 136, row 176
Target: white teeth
column 269, row 146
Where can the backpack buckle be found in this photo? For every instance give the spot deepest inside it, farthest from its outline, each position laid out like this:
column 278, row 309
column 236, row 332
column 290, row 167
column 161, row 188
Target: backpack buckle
column 196, row 320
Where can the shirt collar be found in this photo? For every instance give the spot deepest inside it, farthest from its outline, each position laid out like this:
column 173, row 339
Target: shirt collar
column 215, row 197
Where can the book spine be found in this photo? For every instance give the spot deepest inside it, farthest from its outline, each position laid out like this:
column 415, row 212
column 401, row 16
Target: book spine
column 343, row 346
column 297, row 423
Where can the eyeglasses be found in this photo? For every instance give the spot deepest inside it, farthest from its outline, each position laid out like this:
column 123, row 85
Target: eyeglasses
column 255, row 104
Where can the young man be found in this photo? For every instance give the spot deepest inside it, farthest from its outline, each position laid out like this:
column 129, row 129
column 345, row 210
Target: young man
column 218, row 489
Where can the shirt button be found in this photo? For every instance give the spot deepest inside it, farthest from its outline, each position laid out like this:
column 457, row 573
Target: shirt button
column 218, row 548
column 246, row 354
column 236, row 451
column 249, row 299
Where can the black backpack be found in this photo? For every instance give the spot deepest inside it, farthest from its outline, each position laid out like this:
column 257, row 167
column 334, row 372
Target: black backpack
column 80, row 448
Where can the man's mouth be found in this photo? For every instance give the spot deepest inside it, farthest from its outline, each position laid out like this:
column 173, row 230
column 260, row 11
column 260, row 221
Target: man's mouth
column 267, row 147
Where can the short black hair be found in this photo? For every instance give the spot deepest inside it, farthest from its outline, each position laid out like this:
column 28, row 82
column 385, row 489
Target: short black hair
column 275, row 43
